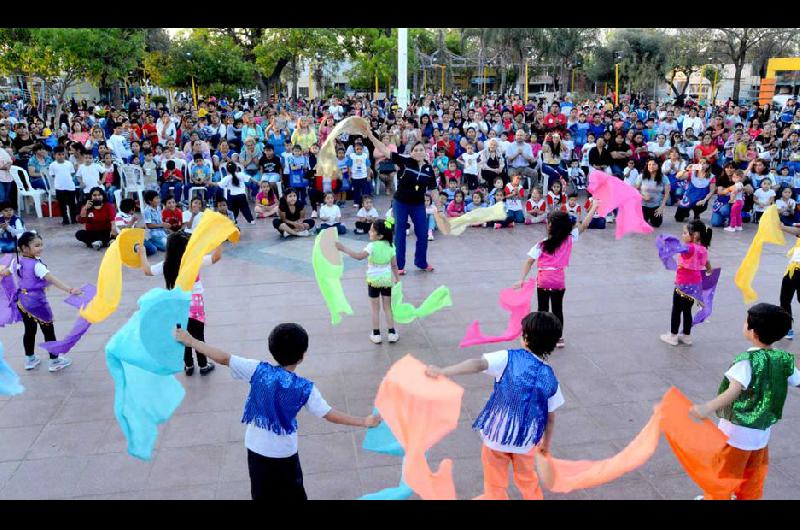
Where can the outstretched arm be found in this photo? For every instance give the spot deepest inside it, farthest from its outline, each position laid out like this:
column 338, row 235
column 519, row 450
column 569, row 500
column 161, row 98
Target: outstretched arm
column 588, row 219
column 334, row 416
column 61, row 285
column 720, row 402
column 353, row 254
column 215, row 354
column 793, row 230
column 471, row 366
column 526, row 269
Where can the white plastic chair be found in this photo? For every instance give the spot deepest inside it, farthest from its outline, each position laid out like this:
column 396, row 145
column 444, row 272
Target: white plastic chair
column 24, row 189
column 51, row 194
column 133, row 181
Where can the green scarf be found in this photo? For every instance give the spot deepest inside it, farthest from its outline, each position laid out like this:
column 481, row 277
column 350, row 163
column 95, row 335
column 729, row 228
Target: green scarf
column 329, row 275
column 760, row 405
column 405, row 313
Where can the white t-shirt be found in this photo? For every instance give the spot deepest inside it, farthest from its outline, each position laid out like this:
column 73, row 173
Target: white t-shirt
column 360, row 165
column 62, row 176
column 376, row 270
column 746, row 438
column 763, row 197
column 262, row 441
column 786, row 205
column 227, row 184
column 362, row 213
column 187, row 215
column 498, row 361
column 470, row 163
column 329, row 214
column 89, row 175
column 158, row 270
column 632, row 176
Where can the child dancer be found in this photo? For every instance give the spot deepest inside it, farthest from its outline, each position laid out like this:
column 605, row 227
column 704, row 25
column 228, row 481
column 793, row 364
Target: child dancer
column 33, row 278
column 688, row 280
column 750, row 401
column 736, row 192
column 536, row 208
column 381, row 272
column 236, row 185
column 519, row 417
column 176, row 246
column 553, row 255
column 276, row 396
column 791, row 278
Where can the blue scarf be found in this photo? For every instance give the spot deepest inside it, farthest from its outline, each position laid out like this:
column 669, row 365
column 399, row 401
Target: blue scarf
column 518, row 401
column 276, row 396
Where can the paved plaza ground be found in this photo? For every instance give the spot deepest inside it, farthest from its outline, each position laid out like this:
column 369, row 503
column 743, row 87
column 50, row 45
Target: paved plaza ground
column 60, row 440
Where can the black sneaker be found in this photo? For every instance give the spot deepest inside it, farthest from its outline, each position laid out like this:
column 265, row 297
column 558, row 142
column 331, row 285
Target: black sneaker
column 205, row 370
column 188, row 370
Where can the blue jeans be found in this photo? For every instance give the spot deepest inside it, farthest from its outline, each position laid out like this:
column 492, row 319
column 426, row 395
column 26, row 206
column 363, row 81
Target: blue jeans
column 340, row 228
column 402, row 211
column 5, row 191
column 174, row 188
column 110, row 194
column 515, row 216
column 149, row 247
column 718, row 218
column 359, row 188
column 554, row 173
column 158, row 241
column 431, row 222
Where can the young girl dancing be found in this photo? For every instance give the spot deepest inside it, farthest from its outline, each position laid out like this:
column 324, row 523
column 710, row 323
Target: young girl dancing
column 176, row 246
column 381, row 272
column 688, row 280
column 553, row 255
column 33, row 278
column 790, row 285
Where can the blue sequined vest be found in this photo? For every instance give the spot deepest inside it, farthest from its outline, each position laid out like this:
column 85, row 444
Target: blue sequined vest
column 516, row 413
column 276, row 396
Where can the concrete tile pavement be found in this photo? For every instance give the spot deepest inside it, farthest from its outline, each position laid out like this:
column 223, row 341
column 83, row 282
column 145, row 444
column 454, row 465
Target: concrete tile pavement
column 60, row 438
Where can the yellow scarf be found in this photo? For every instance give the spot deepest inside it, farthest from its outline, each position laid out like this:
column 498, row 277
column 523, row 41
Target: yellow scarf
column 769, row 231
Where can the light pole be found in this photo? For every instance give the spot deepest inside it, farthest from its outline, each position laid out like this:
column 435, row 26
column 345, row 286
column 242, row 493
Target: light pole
column 402, row 68
column 713, row 83
column 617, row 59
column 194, row 95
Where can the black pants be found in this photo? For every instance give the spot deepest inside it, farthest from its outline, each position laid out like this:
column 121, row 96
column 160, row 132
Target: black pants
column 650, row 216
column 239, row 204
column 682, row 214
column 363, row 226
column 90, row 236
column 196, row 329
column 66, row 199
column 681, row 307
column 29, row 338
column 275, row 479
column 552, row 298
column 276, row 223
column 790, row 287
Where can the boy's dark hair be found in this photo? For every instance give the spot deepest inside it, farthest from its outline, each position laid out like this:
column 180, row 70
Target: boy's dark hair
column 222, row 198
column 127, row 205
column 59, row 149
column 365, row 196
column 197, row 156
column 147, row 151
column 541, row 331
column 769, row 322
column 453, row 180
column 149, row 195
column 268, row 147
column 170, row 165
column 168, row 197
column 288, row 343
column 573, row 194
column 6, row 204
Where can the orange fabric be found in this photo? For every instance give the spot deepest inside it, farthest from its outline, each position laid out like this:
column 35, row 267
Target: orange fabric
column 751, row 466
column 420, row 411
column 700, row 447
column 495, row 475
column 563, row 476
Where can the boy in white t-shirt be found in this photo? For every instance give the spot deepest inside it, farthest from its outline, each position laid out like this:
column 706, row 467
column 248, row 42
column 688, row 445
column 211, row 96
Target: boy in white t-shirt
column 61, row 171
column 750, row 401
column 277, row 394
column 518, row 419
column 330, row 215
column 88, row 174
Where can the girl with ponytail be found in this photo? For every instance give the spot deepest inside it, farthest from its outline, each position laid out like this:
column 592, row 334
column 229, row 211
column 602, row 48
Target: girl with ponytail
column 688, row 280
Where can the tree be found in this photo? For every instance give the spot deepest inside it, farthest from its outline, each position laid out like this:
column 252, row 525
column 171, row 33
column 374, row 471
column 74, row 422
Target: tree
column 739, row 44
column 565, row 46
column 513, row 44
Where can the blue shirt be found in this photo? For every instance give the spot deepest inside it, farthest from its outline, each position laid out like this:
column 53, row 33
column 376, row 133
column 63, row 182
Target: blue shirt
column 153, row 216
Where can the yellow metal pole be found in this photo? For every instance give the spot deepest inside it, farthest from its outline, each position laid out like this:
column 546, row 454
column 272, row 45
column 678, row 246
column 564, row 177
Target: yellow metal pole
column 616, row 84
column 424, row 79
column 443, row 67
column 310, row 88
column 714, row 87
column 484, row 80
column 194, row 94
column 33, row 92
column 376, row 86
column 572, row 84
column 526, row 81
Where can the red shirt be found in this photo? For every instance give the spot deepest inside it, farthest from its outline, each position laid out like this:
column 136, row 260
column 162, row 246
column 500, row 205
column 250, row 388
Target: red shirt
column 555, row 122
column 173, row 217
column 150, row 130
column 98, row 218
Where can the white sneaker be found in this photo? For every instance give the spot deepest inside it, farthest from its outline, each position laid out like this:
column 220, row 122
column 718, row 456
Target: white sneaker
column 314, row 214
column 97, row 245
column 730, row 229
column 253, row 222
column 739, row 228
column 376, row 339
column 685, row 339
column 393, row 337
column 610, row 219
column 59, row 364
column 304, row 233
column 699, row 498
column 32, row 362
column 284, row 235
column 430, row 235
column 670, row 339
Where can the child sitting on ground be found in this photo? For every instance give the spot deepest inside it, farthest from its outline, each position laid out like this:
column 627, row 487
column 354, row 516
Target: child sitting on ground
column 452, row 173
column 456, row 208
column 266, row 201
column 498, row 186
column 330, row 215
column 598, row 221
column 366, row 215
column 750, row 401
column 276, row 396
column 574, row 209
column 518, row 419
column 536, row 208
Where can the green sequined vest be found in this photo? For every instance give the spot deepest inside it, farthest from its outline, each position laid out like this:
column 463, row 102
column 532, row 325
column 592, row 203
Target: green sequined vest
column 760, row 405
